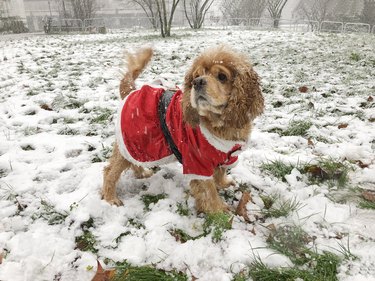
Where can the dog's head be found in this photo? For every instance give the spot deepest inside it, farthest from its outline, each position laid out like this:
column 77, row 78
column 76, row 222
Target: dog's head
column 221, row 88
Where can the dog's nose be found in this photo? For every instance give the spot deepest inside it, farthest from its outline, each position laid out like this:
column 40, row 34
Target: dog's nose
column 199, row 83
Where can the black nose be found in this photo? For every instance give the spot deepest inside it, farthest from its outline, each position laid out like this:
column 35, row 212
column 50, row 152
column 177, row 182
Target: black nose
column 199, row 83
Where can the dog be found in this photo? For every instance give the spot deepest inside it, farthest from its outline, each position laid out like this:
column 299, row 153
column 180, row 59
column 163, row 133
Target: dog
column 204, row 126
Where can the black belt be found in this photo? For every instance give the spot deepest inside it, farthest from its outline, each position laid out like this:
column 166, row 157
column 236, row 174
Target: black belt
column 164, row 102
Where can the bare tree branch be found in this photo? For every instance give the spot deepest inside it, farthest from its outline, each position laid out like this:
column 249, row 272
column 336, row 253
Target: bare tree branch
column 275, row 8
column 197, row 11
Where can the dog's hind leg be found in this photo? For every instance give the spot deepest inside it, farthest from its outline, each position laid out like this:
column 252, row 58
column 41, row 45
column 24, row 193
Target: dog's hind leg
column 112, row 172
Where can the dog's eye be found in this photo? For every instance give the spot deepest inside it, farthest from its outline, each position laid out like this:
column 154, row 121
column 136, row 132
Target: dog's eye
column 222, row 77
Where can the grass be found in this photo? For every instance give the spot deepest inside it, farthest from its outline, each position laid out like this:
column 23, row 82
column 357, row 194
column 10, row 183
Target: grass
column 3, row 173
column 67, row 131
column 365, row 204
column 277, row 168
column 217, row 224
column 355, row 56
column 297, row 128
column 324, row 268
column 291, row 241
column 103, row 155
column 67, row 102
column 279, row 207
column 87, row 241
column 48, row 213
column 103, row 116
column 334, row 172
column 29, row 131
column 329, row 170
column 346, row 252
column 149, row 199
column 136, row 223
column 181, row 236
column 126, row 272
column 183, row 209
column 27, row 147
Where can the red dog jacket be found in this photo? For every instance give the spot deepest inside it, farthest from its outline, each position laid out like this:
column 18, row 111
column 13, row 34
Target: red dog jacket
column 142, row 142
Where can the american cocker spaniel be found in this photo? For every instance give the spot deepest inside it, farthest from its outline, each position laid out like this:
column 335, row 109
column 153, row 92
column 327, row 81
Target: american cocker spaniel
column 204, row 126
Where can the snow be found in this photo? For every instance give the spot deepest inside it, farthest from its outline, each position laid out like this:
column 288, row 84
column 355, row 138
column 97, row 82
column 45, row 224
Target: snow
column 46, row 155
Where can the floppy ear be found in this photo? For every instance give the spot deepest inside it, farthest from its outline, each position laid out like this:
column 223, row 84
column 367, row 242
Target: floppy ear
column 190, row 114
column 246, row 101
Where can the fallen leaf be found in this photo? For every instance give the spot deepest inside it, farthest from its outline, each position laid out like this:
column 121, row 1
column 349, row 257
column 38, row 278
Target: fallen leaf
column 103, row 275
column 303, row 89
column 372, row 120
column 45, row 107
column 343, row 125
column 271, row 227
column 241, row 208
column 361, row 164
column 370, row 99
column 311, row 105
column 315, row 171
column 310, row 142
column 369, row 195
column 253, row 231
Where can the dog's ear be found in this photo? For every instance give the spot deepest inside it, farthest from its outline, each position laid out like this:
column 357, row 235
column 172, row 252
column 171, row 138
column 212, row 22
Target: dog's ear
column 246, row 101
column 191, row 115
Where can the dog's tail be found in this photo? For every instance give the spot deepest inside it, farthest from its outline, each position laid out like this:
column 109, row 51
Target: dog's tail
column 135, row 63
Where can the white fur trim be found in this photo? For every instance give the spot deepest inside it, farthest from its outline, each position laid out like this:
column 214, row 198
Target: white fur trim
column 197, row 177
column 124, row 151
column 231, row 165
column 220, row 144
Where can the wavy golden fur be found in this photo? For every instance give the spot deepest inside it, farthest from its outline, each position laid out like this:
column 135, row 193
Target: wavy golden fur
column 221, row 92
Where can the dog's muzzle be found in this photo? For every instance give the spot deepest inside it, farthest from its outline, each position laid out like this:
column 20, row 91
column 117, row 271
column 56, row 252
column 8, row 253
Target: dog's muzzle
column 199, row 84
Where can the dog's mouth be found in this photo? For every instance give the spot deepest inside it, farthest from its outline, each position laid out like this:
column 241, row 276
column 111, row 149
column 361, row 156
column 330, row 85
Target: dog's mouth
column 203, row 102
column 202, row 98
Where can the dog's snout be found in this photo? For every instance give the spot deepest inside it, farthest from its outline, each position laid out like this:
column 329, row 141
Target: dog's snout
column 199, row 83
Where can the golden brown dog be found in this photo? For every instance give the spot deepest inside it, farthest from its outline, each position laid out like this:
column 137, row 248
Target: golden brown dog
column 220, row 99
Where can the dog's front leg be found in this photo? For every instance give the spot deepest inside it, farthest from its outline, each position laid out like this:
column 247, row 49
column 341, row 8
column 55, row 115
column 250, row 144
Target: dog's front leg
column 117, row 164
column 222, row 180
column 207, row 199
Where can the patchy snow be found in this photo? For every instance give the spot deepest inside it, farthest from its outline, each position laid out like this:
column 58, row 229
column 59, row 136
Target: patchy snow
column 57, row 98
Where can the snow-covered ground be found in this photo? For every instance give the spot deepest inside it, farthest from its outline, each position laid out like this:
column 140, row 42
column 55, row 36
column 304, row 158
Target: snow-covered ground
column 58, row 95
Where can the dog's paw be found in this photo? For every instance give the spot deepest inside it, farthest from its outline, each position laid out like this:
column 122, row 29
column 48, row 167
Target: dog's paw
column 113, row 201
column 226, row 182
column 216, row 206
column 146, row 173
column 142, row 173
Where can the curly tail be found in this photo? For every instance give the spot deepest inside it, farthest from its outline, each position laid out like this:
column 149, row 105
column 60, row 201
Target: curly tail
column 136, row 63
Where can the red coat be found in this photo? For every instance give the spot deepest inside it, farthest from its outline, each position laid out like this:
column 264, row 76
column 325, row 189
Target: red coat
column 142, row 142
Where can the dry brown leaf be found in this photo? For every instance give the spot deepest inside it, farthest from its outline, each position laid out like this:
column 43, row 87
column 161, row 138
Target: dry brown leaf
column 315, row 171
column 103, row 275
column 271, row 227
column 45, row 107
column 361, row 164
column 343, row 125
column 310, row 142
column 370, row 99
column 303, row 89
column 253, row 231
column 241, row 208
column 369, row 195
